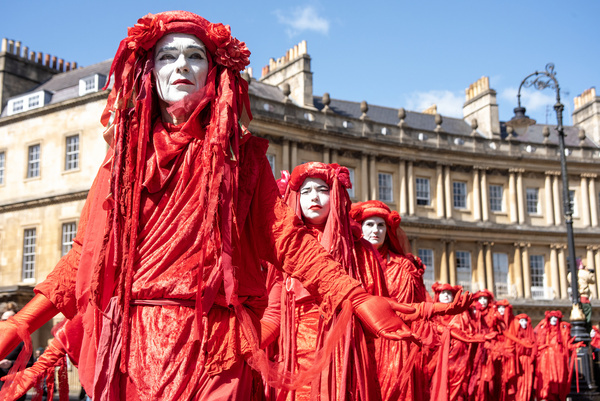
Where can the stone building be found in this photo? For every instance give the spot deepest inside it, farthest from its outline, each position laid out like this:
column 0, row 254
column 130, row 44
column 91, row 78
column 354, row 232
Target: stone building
column 480, row 202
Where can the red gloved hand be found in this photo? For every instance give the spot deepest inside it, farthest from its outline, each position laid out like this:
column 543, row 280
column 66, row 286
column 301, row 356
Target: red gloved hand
column 33, row 316
column 460, row 304
column 26, row 379
column 378, row 317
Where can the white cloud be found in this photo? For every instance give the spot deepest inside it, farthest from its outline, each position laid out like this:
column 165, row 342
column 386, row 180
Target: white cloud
column 448, row 103
column 532, row 99
column 303, row 19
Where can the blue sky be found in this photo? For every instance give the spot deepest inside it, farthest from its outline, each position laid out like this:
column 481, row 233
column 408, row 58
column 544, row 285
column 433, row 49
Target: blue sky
column 391, row 53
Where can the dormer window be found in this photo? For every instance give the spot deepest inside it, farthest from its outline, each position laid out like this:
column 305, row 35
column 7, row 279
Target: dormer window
column 91, row 84
column 28, row 102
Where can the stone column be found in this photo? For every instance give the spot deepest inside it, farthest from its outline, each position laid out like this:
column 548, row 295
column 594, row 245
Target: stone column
column 554, row 273
column 485, row 202
column 476, row 195
column 480, row 266
column 413, row 245
column 489, row 263
column 452, row 262
column 585, row 202
column 448, row 193
column 556, row 200
column 444, row 279
column 526, row 270
column 335, row 158
column 285, row 157
column 549, row 209
column 295, row 161
column 518, row 273
column 520, row 197
column 373, row 181
column 326, row 155
column 412, row 197
column 590, row 263
column 512, row 197
column 562, row 271
column 593, row 201
column 402, row 196
column 364, row 177
column 439, row 193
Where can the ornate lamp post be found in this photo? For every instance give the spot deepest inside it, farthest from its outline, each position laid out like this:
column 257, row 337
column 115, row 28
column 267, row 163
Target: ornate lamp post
column 542, row 80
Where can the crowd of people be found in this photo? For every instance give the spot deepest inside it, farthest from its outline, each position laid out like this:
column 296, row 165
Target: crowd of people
column 195, row 276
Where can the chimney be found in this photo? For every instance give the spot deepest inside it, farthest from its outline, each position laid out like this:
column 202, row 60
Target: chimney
column 586, row 114
column 481, row 105
column 294, row 69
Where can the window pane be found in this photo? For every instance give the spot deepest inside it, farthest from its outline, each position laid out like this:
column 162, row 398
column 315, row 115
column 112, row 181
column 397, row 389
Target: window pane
column 29, row 238
column 72, row 153
column 532, row 201
column 463, row 269
column 423, row 194
column 500, row 264
column 385, row 187
column 426, row 256
column 460, row 195
column 536, row 267
column 68, row 233
column 496, row 197
column 33, row 164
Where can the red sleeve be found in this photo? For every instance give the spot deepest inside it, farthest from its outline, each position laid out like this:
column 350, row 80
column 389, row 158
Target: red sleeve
column 282, row 239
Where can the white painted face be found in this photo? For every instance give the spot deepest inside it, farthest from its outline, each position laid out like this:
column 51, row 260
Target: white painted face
column 483, row 301
column 180, row 66
column 593, row 333
column 553, row 320
column 523, row 323
column 7, row 314
column 446, row 297
column 501, row 309
column 314, row 200
column 374, row 230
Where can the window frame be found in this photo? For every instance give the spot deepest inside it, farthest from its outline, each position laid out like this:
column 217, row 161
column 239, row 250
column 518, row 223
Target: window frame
column 459, row 195
column 529, row 202
column 29, row 254
column 422, row 195
column 458, row 256
column 383, row 190
column 31, row 162
column 493, row 199
column 2, row 167
column 68, row 233
column 68, row 166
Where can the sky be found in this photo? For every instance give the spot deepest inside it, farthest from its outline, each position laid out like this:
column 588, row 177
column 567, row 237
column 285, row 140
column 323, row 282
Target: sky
column 399, row 53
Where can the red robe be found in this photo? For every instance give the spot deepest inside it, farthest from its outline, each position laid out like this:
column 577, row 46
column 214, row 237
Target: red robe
column 164, row 358
column 520, row 383
column 404, row 279
column 552, row 374
column 482, row 321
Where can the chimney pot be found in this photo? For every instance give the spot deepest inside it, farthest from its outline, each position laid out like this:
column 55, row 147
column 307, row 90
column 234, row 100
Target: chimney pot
column 61, row 64
column 18, row 48
column 54, row 62
column 11, row 46
column 47, row 60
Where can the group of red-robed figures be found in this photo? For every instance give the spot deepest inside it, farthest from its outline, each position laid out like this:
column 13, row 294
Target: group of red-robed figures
column 194, row 276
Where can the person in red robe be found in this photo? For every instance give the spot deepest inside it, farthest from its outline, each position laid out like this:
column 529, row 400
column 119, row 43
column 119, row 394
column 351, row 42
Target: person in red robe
column 554, row 352
column 521, row 344
column 482, row 319
column 165, row 268
column 404, row 369
column 318, row 193
column 499, row 366
column 453, row 363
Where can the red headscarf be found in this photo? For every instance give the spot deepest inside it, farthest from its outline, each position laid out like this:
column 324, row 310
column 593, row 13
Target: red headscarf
column 338, row 237
column 508, row 313
column 396, row 238
column 438, row 288
column 484, row 293
column 219, row 115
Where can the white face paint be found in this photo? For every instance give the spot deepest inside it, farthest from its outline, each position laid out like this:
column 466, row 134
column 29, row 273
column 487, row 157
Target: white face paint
column 523, row 323
column 483, row 301
column 374, row 230
column 180, row 66
column 593, row 333
column 314, row 200
column 446, row 297
column 501, row 309
column 553, row 320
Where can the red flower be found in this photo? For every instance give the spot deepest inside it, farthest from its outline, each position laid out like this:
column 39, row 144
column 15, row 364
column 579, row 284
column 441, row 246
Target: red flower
column 220, row 34
column 145, row 33
column 234, row 55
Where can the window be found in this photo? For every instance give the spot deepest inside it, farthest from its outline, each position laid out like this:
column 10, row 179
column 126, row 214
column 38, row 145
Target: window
column 72, row 153
column 29, row 254
column 68, row 233
column 500, row 264
column 533, row 201
column 271, row 159
column 2, row 166
column 536, row 267
column 33, row 102
column 496, row 198
column 463, row 269
column 426, row 256
column 459, row 192
column 385, row 187
column 28, row 102
column 18, row 106
column 423, row 193
column 573, row 201
column 33, row 161
column 351, row 190
column 91, row 84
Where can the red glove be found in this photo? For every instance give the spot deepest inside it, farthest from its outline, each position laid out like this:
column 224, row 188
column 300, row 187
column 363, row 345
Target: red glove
column 33, row 316
column 460, row 304
column 26, row 379
column 378, row 317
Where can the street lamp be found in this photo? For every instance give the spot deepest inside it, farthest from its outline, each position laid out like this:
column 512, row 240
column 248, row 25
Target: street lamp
column 542, row 80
